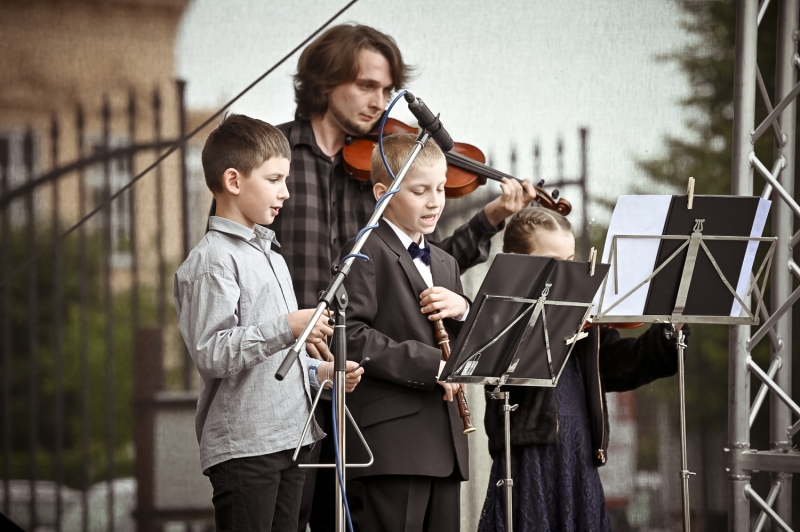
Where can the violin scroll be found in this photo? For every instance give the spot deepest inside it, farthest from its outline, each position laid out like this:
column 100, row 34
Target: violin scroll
column 552, row 201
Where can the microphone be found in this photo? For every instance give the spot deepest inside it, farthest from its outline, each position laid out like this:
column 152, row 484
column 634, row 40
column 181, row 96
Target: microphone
column 429, row 122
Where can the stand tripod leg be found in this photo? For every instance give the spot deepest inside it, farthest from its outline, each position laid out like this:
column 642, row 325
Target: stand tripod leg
column 684, row 460
column 509, row 482
column 342, row 414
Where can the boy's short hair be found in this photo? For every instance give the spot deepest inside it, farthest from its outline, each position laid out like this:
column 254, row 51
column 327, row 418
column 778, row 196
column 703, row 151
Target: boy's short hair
column 332, row 60
column 397, row 148
column 241, row 143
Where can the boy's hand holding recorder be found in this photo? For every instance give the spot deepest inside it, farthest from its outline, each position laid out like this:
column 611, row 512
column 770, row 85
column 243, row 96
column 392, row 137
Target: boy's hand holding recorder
column 440, row 303
column 404, row 302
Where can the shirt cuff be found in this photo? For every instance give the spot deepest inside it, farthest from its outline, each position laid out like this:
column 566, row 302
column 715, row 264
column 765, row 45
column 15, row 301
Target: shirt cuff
column 277, row 334
column 313, row 368
column 480, row 223
column 466, row 313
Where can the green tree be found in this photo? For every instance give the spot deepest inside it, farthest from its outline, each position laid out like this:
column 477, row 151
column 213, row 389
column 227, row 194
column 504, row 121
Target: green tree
column 708, row 62
column 44, row 389
column 705, row 153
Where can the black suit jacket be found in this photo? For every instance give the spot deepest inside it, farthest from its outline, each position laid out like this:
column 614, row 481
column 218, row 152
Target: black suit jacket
column 398, row 404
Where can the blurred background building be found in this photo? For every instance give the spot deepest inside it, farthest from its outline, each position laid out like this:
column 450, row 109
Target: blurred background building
column 89, row 99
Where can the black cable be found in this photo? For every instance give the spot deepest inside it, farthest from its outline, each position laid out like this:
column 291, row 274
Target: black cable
column 172, row 149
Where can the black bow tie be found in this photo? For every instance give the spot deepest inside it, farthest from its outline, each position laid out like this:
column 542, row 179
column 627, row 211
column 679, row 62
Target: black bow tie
column 424, row 254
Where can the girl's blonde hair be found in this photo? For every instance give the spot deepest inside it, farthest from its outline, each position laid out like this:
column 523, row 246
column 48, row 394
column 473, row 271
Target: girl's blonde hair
column 524, row 227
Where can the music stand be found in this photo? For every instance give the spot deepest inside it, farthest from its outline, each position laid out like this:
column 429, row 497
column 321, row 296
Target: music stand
column 673, row 297
column 530, row 314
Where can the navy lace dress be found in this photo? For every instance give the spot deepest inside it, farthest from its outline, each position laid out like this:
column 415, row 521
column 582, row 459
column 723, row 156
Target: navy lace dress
column 556, row 487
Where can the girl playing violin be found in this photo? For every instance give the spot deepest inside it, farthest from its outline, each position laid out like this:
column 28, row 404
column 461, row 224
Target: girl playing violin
column 559, row 436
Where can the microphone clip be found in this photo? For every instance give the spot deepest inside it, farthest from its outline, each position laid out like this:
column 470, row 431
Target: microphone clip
column 429, row 122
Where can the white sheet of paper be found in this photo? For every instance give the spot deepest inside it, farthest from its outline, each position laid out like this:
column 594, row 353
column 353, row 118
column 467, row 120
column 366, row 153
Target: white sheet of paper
column 636, row 257
column 750, row 255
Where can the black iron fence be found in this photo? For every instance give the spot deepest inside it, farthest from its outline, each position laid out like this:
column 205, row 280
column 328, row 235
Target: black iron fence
column 70, row 318
column 96, row 385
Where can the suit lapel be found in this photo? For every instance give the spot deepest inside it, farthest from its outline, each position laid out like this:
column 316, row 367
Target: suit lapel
column 439, row 272
column 406, row 263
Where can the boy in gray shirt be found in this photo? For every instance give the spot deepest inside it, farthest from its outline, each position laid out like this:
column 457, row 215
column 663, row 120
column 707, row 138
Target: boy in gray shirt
column 238, row 315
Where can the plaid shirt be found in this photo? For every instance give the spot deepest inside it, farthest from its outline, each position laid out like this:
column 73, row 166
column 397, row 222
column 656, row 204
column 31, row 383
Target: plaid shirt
column 327, row 207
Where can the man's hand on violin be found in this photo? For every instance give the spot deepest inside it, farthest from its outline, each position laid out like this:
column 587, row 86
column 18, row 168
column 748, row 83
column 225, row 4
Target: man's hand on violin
column 439, row 303
column 450, row 389
column 516, row 196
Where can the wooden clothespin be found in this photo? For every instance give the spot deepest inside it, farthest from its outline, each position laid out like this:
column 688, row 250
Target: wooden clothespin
column 575, row 337
column 690, row 193
column 592, row 260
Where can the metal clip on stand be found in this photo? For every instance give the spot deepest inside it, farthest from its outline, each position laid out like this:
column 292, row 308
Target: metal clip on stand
column 335, row 297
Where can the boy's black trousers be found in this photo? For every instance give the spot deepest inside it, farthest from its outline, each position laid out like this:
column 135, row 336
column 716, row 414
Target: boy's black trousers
column 258, row 493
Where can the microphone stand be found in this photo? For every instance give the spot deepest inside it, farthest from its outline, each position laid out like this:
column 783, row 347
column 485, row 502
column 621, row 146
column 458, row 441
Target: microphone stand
column 335, row 297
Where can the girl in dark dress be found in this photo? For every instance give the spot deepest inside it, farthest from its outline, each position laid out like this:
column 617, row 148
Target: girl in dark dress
column 559, row 436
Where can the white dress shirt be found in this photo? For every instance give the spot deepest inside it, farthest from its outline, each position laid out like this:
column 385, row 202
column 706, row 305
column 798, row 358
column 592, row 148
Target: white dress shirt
column 424, row 269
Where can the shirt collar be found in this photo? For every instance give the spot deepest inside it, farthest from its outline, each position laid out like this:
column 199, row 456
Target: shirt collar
column 404, row 238
column 229, row 227
column 302, row 133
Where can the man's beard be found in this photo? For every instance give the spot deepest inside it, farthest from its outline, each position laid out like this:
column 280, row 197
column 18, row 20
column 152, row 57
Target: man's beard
column 350, row 127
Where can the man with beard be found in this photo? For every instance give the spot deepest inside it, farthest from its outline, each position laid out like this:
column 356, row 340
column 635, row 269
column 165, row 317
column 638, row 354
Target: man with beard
column 343, row 83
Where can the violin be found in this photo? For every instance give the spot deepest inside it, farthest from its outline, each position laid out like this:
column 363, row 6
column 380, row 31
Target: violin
column 466, row 171
column 466, row 167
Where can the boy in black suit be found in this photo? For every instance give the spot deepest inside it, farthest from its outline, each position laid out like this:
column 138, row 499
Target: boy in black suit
column 421, row 454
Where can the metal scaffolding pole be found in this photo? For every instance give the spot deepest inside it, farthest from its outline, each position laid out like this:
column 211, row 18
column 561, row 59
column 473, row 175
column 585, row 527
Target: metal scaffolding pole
column 782, row 225
column 744, row 92
column 781, row 460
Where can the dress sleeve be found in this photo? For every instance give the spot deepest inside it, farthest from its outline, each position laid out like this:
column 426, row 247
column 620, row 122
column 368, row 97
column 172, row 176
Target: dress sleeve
column 628, row 363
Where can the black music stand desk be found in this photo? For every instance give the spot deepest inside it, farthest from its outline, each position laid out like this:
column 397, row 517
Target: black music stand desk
column 685, row 259
column 525, row 322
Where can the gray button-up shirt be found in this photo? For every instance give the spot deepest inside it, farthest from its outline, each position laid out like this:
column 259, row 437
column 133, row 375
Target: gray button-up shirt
column 233, row 294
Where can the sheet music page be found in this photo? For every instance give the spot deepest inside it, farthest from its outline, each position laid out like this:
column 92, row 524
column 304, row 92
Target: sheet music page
column 750, row 255
column 636, row 257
